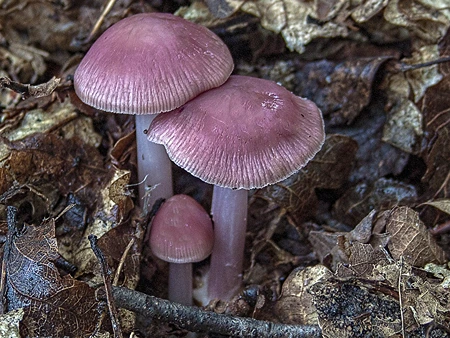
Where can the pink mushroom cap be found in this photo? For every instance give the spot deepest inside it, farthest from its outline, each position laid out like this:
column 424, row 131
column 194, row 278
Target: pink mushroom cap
column 151, row 63
column 181, row 231
column 247, row 133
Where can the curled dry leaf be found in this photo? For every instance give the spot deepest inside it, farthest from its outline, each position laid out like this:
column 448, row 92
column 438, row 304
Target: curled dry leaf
column 292, row 19
column 365, row 10
column 53, row 305
column 295, row 305
column 350, row 255
column 421, row 79
column 39, row 121
column 441, row 272
column 425, row 19
column 410, row 238
column 123, row 154
column 403, row 127
column 442, row 204
column 23, row 63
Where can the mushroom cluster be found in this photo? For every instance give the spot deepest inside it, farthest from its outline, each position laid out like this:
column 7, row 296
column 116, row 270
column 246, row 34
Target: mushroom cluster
column 238, row 134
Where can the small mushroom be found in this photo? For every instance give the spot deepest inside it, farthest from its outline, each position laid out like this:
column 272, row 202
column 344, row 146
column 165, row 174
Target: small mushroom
column 246, row 134
column 181, row 234
column 146, row 64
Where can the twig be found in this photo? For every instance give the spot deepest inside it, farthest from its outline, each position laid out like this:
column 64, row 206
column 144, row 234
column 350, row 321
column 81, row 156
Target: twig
column 400, row 302
column 11, row 220
column 100, row 20
column 122, row 261
column 27, row 90
column 106, row 274
column 195, row 319
column 406, row 67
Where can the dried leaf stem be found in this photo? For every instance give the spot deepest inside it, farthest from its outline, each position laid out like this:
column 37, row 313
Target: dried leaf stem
column 195, row 319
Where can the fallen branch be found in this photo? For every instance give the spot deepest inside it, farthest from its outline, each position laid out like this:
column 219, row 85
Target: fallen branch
column 195, row 319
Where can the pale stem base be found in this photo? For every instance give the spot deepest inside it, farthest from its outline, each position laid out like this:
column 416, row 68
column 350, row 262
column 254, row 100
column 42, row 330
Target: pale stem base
column 180, row 283
column 154, row 163
column 229, row 211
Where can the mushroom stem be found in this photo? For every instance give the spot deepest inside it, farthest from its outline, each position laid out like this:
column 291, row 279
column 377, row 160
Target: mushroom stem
column 180, row 283
column 154, row 166
column 229, row 211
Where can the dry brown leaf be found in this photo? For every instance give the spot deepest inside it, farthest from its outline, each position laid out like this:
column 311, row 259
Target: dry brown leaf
column 54, row 305
column 23, row 63
column 292, row 19
column 48, row 157
column 364, row 258
column 365, row 10
column 350, row 256
column 442, row 204
column 365, row 296
column 107, row 215
column 404, row 125
column 410, row 238
column 40, row 121
column 428, row 20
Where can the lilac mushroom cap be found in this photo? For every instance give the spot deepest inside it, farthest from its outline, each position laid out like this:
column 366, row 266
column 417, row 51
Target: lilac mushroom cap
column 151, row 63
column 181, row 234
column 181, row 231
column 246, row 134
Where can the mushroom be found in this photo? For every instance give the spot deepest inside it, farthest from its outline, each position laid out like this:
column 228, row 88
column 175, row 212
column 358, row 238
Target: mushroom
column 146, row 64
column 181, row 234
column 246, row 134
